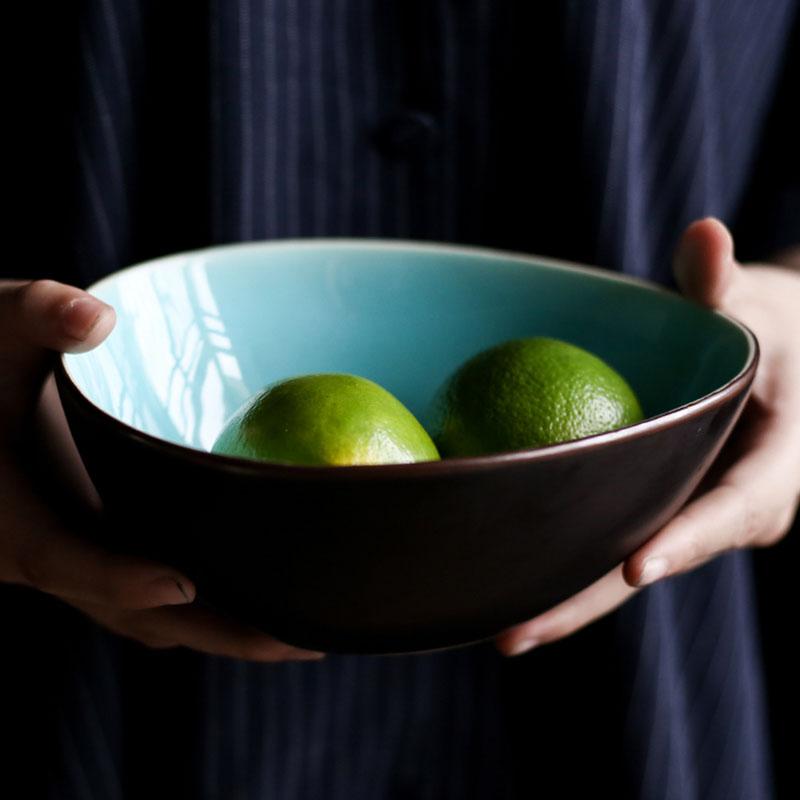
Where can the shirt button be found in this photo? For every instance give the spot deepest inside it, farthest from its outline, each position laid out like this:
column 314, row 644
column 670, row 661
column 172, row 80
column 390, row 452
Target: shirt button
column 409, row 134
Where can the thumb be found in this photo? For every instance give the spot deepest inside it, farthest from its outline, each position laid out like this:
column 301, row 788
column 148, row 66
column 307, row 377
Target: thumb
column 704, row 264
column 46, row 315
column 37, row 319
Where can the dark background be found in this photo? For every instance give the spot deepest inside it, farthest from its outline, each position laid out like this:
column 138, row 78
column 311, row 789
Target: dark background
column 36, row 112
column 766, row 212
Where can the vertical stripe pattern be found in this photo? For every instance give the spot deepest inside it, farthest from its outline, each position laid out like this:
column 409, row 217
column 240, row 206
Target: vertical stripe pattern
column 588, row 130
column 675, row 92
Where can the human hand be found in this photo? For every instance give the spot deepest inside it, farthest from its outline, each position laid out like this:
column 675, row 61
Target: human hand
column 754, row 499
column 133, row 597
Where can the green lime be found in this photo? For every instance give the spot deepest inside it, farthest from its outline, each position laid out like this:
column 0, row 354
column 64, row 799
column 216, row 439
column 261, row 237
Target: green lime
column 530, row 393
column 326, row 419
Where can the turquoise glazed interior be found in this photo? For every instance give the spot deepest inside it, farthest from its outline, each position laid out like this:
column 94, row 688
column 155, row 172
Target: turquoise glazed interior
column 198, row 333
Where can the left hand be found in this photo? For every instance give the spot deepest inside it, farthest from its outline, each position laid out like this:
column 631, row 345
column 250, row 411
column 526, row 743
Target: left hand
column 754, row 500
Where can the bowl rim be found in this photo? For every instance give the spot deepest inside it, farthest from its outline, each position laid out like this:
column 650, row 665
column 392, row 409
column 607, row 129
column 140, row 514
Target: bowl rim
column 742, row 381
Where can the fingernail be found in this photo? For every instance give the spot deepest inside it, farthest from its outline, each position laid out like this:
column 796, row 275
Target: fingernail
column 652, row 570
column 172, row 592
column 79, row 316
column 523, row 646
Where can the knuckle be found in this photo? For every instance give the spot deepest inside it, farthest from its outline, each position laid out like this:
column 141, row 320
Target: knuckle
column 568, row 622
column 775, row 532
column 688, row 526
column 23, row 292
column 43, row 300
column 783, row 525
column 769, row 538
column 32, row 291
column 694, row 548
column 753, row 524
column 748, row 522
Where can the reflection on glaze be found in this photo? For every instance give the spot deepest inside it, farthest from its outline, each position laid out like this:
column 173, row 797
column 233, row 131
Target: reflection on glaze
column 167, row 368
column 197, row 334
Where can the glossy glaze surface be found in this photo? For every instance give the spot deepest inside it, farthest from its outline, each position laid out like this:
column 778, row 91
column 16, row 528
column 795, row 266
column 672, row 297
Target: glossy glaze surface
column 198, row 334
column 401, row 557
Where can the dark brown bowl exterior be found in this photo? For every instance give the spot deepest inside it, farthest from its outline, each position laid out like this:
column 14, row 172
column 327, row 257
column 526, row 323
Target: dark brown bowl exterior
column 401, row 558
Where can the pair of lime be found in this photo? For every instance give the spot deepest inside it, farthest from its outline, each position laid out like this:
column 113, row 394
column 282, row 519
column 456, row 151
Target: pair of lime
column 520, row 394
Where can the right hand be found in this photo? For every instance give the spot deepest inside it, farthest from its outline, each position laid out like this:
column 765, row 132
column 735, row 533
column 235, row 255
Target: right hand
column 136, row 598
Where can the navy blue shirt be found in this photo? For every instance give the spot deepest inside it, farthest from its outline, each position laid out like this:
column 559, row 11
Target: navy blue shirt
column 585, row 130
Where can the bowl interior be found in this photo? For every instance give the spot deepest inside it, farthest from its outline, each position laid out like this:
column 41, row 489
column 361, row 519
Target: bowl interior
column 197, row 334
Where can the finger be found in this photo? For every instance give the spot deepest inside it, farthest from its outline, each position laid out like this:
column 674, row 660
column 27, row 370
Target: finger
column 198, row 629
column 37, row 551
column 36, row 319
column 597, row 600
column 52, row 316
column 54, row 460
column 752, row 505
column 704, row 264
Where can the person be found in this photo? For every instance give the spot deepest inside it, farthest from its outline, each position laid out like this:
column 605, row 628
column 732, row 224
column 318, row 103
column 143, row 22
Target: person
column 611, row 133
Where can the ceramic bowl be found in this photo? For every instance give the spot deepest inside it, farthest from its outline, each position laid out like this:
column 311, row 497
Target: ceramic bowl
column 391, row 558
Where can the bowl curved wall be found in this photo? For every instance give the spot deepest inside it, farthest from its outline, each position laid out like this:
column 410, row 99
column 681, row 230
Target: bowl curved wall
column 394, row 558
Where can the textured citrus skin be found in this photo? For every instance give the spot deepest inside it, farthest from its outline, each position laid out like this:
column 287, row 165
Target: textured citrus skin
column 327, row 419
column 530, row 393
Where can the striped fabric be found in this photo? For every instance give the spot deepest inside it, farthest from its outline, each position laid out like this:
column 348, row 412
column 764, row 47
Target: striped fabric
column 588, row 130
